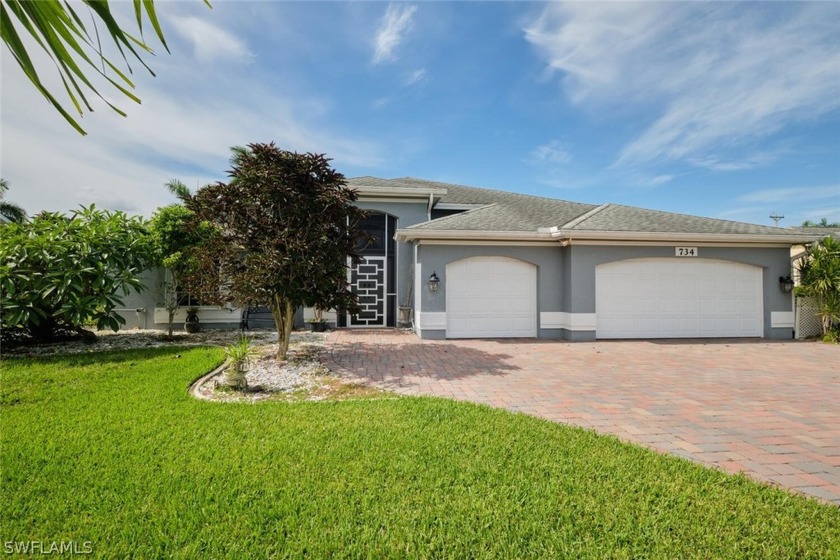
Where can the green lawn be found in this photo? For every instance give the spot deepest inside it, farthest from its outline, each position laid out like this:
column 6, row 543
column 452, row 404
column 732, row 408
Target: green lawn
column 108, row 448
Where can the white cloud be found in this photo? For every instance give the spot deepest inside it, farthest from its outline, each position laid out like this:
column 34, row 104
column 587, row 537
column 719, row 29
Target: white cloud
column 392, row 29
column 719, row 75
column 415, row 77
column 795, row 204
column 381, row 102
column 793, row 194
column 192, row 113
column 741, row 214
column 659, row 180
column 555, row 152
column 209, row 41
column 751, row 161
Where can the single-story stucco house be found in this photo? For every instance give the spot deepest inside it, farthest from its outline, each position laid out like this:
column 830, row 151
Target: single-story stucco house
column 482, row 263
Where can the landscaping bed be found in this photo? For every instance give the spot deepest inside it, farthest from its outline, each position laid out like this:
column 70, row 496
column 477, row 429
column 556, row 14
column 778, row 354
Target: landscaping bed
column 301, row 377
column 132, row 339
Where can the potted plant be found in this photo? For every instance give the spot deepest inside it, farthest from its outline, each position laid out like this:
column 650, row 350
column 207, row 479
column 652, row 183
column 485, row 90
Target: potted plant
column 191, row 325
column 404, row 316
column 240, row 355
column 317, row 323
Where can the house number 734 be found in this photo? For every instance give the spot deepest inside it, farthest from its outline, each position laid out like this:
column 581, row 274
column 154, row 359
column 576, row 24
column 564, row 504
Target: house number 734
column 686, row 251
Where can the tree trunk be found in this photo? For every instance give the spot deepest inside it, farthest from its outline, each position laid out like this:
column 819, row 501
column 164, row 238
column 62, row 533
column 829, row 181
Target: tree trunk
column 289, row 324
column 283, row 313
column 43, row 331
column 171, row 294
column 87, row 336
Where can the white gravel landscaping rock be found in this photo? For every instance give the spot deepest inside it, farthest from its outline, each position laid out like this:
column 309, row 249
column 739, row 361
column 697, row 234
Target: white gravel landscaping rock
column 301, row 377
column 137, row 338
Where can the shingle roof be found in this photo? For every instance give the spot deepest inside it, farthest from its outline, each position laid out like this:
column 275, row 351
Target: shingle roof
column 368, row 181
column 505, row 211
column 614, row 217
column 515, row 212
column 821, row 231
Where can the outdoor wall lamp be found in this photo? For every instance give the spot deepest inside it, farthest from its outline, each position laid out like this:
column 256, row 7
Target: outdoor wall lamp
column 434, row 282
column 786, row 283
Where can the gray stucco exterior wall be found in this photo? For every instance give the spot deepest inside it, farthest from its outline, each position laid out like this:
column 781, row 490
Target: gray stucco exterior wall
column 434, row 258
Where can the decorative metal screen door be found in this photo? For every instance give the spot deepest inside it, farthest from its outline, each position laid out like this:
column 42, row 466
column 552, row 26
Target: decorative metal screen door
column 367, row 281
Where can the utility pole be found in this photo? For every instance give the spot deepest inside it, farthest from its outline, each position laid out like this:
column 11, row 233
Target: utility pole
column 775, row 217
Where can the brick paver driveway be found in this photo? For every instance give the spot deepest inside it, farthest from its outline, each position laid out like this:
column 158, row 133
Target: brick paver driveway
column 770, row 409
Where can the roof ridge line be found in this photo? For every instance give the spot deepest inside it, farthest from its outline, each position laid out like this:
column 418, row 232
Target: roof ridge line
column 583, row 217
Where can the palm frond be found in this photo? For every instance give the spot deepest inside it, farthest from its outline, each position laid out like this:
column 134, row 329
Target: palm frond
column 12, row 212
column 56, row 27
column 179, row 189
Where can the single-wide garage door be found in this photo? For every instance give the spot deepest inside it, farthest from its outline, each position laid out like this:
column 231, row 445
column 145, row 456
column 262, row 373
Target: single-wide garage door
column 491, row 297
column 678, row 298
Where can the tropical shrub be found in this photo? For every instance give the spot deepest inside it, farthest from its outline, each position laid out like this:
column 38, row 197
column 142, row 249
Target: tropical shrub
column 819, row 273
column 172, row 234
column 61, row 272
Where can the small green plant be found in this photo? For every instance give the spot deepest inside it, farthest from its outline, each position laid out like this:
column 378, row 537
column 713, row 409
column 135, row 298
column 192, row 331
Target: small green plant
column 240, row 355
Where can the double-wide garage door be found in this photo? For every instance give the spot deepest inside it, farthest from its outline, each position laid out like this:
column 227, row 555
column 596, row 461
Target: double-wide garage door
column 491, row 297
column 678, row 298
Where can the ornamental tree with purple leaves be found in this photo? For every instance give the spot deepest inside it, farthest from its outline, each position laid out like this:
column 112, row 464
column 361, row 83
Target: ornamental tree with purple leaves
column 285, row 230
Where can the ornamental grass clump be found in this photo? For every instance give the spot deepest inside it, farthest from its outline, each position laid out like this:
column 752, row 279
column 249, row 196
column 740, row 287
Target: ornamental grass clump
column 240, row 355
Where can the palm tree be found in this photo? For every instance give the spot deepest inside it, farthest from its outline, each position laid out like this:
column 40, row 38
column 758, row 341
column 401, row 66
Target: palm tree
column 179, row 189
column 822, row 223
column 10, row 210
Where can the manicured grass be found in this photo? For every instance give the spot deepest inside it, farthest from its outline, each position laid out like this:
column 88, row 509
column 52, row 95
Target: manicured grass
column 109, row 448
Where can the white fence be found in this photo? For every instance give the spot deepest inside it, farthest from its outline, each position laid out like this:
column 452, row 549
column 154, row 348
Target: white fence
column 808, row 323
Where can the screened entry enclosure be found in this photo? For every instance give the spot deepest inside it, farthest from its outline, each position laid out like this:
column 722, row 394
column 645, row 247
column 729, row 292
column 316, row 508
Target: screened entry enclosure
column 373, row 280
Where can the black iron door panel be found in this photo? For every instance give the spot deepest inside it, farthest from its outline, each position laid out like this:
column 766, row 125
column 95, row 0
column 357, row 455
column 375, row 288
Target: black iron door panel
column 367, row 281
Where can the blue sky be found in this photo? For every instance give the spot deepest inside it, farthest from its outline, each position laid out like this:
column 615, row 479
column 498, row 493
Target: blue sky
column 715, row 109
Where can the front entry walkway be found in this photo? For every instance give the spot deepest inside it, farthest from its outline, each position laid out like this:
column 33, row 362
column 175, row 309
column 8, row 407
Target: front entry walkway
column 770, row 409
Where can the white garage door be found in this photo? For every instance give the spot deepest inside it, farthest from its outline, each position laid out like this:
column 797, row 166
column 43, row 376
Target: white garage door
column 491, row 297
column 678, row 298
